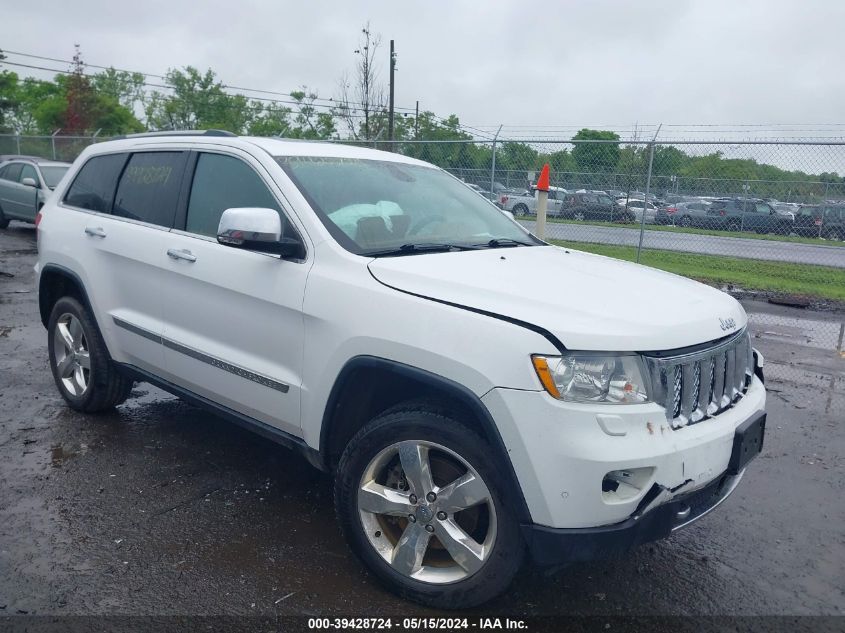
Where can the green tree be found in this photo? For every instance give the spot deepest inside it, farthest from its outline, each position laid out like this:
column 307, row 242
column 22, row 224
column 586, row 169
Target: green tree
column 8, row 97
column 124, row 87
column 198, row 101
column 596, row 157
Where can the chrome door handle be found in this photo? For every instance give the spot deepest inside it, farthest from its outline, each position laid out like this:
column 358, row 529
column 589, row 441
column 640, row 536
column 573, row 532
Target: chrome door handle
column 95, row 231
column 187, row 255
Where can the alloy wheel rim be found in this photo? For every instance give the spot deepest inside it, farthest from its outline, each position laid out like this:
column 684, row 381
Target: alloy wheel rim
column 427, row 512
column 73, row 360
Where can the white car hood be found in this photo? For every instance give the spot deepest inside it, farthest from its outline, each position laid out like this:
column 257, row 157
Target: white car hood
column 588, row 302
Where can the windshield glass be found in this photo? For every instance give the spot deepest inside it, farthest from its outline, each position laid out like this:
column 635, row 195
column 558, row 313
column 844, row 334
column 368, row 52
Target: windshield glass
column 53, row 174
column 371, row 205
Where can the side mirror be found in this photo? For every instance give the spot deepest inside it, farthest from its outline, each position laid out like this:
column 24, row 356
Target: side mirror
column 29, row 182
column 256, row 229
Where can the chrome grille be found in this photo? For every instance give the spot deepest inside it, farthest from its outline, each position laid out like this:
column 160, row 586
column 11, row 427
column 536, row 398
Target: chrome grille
column 678, row 382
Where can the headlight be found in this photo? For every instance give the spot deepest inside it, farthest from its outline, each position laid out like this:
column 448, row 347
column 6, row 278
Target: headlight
column 610, row 379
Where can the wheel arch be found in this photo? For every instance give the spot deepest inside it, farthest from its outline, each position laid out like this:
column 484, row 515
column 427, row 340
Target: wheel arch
column 369, row 385
column 55, row 282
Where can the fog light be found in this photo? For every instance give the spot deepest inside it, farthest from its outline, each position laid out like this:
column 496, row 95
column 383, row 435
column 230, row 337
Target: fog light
column 620, row 486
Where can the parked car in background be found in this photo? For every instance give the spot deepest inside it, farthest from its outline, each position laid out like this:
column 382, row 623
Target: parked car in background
column 525, row 203
column 833, row 222
column 633, row 209
column 25, row 184
column 748, row 214
column 592, row 206
column 492, row 197
column 684, row 214
column 808, row 221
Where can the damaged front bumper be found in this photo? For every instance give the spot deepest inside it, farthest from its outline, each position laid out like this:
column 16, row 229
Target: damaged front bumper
column 655, row 519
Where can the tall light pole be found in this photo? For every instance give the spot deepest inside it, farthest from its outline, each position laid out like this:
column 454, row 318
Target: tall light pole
column 390, row 113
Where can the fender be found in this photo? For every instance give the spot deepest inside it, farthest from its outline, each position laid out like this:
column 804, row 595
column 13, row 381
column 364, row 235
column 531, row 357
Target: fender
column 439, row 384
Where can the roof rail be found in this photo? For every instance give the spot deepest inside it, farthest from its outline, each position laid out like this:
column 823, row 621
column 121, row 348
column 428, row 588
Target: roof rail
column 23, row 157
column 176, row 133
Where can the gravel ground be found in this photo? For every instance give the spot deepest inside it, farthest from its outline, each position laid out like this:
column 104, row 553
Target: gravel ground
column 161, row 509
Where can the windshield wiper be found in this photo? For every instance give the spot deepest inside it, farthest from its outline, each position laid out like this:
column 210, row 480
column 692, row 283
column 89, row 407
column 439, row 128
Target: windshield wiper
column 415, row 249
column 503, row 242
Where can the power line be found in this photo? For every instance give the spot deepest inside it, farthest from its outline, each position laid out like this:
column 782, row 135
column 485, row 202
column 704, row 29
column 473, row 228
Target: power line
column 145, row 74
column 168, row 87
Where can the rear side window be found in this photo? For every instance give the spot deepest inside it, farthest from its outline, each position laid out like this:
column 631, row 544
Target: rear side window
column 149, row 187
column 12, row 172
column 93, row 187
column 220, row 183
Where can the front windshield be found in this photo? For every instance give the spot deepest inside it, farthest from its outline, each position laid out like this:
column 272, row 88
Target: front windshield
column 370, row 206
column 52, row 174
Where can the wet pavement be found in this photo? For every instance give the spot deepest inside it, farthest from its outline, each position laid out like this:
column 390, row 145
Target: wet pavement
column 159, row 508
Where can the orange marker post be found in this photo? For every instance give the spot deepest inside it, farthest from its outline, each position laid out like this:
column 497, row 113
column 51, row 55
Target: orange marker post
column 542, row 202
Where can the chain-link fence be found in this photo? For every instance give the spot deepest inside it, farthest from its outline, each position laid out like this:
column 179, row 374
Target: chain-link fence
column 763, row 220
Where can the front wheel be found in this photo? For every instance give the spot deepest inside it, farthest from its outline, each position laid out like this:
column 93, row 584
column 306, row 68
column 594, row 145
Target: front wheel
column 520, row 210
column 4, row 221
column 419, row 498
column 579, row 215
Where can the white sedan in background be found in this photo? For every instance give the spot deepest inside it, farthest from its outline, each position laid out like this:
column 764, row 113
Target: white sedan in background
column 636, row 207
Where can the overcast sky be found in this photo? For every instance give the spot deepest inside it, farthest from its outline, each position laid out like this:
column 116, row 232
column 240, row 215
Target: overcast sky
column 538, row 65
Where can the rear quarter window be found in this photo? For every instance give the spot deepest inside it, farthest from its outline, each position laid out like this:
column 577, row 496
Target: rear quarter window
column 93, row 186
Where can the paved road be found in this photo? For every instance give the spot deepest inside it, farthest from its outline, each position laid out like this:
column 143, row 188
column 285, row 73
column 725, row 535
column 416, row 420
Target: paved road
column 159, row 508
column 749, row 248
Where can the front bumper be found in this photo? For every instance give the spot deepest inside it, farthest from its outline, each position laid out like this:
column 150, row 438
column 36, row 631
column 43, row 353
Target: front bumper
column 562, row 453
column 550, row 546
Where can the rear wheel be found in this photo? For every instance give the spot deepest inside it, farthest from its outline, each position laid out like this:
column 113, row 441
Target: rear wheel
column 837, row 235
column 85, row 375
column 520, row 210
column 4, row 221
column 686, row 221
column 579, row 215
column 734, row 226
column 419, row 499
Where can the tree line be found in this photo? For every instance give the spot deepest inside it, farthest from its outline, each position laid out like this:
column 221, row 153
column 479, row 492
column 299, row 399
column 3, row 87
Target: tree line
column 113, row 102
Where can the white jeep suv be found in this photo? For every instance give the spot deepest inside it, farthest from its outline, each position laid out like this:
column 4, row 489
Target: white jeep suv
column 478, row 395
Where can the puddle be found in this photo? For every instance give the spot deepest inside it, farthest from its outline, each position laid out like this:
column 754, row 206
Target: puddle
column 59, row 453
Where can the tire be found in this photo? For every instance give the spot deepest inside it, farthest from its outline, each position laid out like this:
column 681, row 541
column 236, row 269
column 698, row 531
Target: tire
column 4, row 221
column 372, row 458
column 73, row 341
column 734, row 226
column 520, row 209
column 836, row 235
column 579, row 215
column 686, row 221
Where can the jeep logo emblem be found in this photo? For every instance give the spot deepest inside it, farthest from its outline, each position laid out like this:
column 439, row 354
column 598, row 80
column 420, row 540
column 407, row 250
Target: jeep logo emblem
column 727, row 324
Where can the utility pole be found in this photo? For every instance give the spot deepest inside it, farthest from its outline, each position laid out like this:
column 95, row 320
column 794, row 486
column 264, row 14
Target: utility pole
column 417, row 123
column 390, row 114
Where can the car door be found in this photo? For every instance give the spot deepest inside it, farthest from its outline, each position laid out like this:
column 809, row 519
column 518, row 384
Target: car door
column 26, row 196
column 124, row 205
column 233, row 318
column 9, row 194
